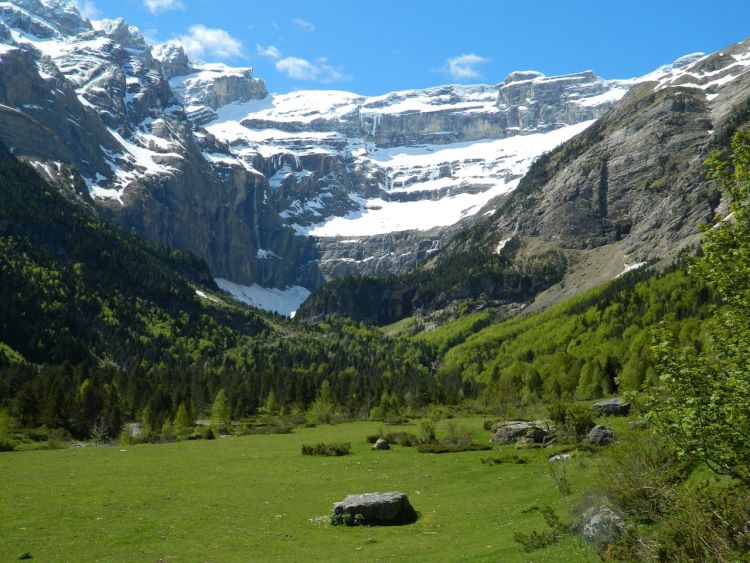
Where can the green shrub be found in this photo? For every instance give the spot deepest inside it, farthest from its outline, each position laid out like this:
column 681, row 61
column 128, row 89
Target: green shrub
column 332, row 449
column 400, row 438
column 538, row 540
column 441, row 448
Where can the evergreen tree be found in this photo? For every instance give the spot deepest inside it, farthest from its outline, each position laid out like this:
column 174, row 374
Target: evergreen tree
column 221, row 414
column 182, row 426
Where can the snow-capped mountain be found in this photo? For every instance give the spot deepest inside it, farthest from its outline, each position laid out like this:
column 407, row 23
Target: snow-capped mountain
column 280, row 191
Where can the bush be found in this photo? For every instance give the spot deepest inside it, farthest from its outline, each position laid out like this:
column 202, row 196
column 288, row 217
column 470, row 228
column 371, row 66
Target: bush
column 399, row 438
column 538, row 540
column 572, row 420
column 441, row 448
column 639, row 473
column 333, row 449
column 507, row 458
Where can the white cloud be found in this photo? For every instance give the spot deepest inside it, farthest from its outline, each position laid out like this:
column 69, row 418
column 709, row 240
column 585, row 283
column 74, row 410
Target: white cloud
column 298, row 68
column 303, row 24
column 156, row 6
column 302, row 69
column 463, row 67
column 205, row 41
column 270, row 52
column 88, row 9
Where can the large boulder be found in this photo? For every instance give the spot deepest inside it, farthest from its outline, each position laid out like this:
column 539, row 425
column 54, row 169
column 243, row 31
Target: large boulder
column 513, row 431
column 381, row 444
column 385, row 509
column 612, row 407
column 601, row 526
column 600, row 436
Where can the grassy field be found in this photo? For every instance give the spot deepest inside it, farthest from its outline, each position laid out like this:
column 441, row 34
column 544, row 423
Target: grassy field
column 257, row 498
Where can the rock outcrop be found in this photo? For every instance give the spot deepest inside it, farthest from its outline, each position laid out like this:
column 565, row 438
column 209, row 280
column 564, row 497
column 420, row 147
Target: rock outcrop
column 375, row 509
column 519, row 431
column 612, row 407
column 600, row 436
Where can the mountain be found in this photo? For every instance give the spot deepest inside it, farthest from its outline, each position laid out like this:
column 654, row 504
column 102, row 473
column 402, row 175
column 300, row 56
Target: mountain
column 280, row 193
column 277, row 192
column 628, row 191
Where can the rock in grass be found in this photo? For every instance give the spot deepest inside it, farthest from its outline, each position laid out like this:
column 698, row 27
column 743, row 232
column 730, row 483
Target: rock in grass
column 381, row 444
column 602, row 526
column 512, row 431
column 600, row 436
column 612, row 407
column 25, row 555
column 374, row 509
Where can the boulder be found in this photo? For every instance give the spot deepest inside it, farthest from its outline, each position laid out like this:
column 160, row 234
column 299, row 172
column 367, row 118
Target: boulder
column 381, row 444
column 385, row 509
column 601, row 526
column 514, row 431
column 559, row 457
column 612, row 407
column 600, row 436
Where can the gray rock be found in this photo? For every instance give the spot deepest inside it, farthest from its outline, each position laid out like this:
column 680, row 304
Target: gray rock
column 514, row 431
column 386, row 509
column 612, row 407
column 381, row 444
column 602, row 526
column 600, row 436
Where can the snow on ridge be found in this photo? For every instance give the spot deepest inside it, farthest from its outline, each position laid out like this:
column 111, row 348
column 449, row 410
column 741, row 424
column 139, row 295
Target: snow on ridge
column 282, row 301
column 499, row 165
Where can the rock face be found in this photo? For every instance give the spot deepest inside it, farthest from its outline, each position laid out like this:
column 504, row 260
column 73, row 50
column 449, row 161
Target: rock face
column 601, row 526
column 516, row 431
column 627, row 191
column 600, row 436
column 612, row 407
column 377, row 509
column 296, row 189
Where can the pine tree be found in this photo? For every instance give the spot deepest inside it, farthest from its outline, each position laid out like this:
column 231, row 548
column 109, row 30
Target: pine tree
column 182, row 425
column 221, row 414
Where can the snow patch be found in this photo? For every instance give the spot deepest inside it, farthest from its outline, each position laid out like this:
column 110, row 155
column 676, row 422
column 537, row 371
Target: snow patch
column 282, row 301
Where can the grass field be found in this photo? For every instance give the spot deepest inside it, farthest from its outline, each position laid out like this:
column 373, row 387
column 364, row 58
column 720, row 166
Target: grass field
column 257, row 498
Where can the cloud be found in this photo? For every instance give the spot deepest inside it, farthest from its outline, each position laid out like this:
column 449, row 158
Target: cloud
column 88, row 9
column 298, row 68
column 303, row 24
column 156, row 6
column 463, row 67
column 269, row 52
column 205, row 41
column 302, row 69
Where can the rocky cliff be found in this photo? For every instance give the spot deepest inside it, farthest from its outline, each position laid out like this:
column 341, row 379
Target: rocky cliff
column 628, row 191
column 289, row 190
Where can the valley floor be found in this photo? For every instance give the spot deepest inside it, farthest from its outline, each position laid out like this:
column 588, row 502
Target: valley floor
column 257, row 498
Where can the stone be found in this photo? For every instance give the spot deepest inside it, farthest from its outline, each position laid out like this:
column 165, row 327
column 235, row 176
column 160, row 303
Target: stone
column 381, row 444
column 601, row 526
column 559, row 457
column 514, row 431
column 383, row 509
column 612, row 407
column 600, row 436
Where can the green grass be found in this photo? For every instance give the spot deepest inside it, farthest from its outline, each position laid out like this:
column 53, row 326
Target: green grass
column 258, row 498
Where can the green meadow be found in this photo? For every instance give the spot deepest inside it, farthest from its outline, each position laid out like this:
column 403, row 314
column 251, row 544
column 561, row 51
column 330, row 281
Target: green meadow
column 257, row 498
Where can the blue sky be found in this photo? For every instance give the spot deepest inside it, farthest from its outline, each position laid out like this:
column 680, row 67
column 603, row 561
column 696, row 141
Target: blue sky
column 382, row 45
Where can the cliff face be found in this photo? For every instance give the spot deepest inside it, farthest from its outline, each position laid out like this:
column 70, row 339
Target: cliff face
column 294, row 189
column 628, row 191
